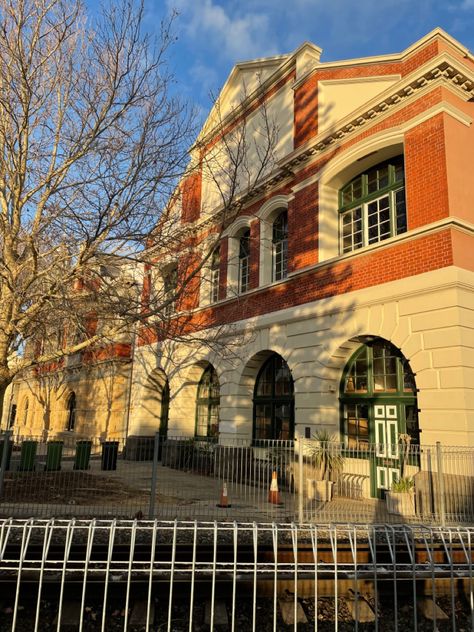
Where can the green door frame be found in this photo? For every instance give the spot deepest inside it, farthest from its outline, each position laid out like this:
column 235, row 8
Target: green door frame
column 401, row 399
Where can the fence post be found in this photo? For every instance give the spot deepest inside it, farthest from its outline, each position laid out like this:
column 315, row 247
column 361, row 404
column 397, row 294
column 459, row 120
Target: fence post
column 300, row 478
column 442, row 505
column 154, row 474
column 3, row 465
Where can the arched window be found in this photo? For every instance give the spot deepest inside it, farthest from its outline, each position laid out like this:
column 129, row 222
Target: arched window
column 372, row 206
column 207, row 404
column 280, row 247
column 378, row 403
column 274, row 401
column 25, row 412
column 215, row 275
column 244, row 261
column 71, row 411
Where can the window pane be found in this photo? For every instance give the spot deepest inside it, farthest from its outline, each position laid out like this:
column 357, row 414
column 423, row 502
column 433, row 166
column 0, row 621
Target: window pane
column 400, row 211
column 264, row 386
column 244, row 274
column 357, row 425
column 412, row 427
column 382, row 217
column 352, row 230
column 383, row 177
column 263, row 421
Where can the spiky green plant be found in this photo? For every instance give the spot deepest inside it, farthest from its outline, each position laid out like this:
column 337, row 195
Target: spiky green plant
column 325, row 454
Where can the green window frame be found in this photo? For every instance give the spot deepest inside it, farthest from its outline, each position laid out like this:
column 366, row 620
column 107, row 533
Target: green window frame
column 207, row 405
column 372, row 206
column 376, row 373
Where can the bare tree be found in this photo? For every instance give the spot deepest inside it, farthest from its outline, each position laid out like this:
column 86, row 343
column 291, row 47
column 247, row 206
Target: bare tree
column 95, row 180
column 92, row 144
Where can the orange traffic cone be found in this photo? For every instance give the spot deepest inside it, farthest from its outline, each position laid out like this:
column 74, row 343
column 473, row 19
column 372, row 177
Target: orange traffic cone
column 274, row 494
column 224, row 503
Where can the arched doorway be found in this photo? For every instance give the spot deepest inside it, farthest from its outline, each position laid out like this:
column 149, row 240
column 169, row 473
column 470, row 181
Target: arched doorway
column 378, row 404
column 273, row 401
column 207, row 404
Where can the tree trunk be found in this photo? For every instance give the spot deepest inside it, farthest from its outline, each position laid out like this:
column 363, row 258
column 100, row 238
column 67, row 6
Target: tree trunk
column 3, row 387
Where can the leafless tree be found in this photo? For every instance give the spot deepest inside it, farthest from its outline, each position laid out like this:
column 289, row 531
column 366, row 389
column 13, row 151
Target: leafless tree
column 94, row 175
column 92, row 144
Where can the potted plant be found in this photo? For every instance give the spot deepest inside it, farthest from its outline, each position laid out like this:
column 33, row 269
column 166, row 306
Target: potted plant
column 327, row 462
column 400, row 498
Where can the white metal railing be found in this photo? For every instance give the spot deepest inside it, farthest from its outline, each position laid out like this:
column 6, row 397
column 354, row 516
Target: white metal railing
column 410, row 576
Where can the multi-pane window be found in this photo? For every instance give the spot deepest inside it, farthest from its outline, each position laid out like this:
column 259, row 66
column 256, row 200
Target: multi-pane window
column 385, row 369
column 215, row 275
column 377, row 375
column 379, row 368
column 357, row 425
column 244, row 262
column 274, row 401
column 170, row 284
column 372, row 206
column 280, row 247
column 207, row 405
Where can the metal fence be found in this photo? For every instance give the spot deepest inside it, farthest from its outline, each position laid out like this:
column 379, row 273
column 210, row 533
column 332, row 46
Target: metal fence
column 234, row 479
column 191, row 576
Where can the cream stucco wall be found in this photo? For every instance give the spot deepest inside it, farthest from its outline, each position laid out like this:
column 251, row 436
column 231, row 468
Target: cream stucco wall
column 430, row 317
column 338, row 98
column 226, row 163
column 101, row 402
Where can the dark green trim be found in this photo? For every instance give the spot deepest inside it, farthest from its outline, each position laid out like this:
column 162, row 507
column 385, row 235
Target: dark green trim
column 392, row 185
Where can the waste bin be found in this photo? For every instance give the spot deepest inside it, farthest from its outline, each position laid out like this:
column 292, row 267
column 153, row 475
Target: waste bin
column 9, row 453
column 28, row 456
column 83, row 455
column 109, row 455
column 54, row 453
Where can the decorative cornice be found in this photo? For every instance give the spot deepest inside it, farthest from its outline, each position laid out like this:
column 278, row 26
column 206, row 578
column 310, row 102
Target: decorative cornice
column 442, row 70
column 445, row 69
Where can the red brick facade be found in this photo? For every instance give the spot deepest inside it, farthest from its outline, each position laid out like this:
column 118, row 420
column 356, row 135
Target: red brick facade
column 421, row 122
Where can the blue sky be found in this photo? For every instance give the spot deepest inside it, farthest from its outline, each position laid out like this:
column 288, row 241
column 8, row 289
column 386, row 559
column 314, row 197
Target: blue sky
column 215, row 34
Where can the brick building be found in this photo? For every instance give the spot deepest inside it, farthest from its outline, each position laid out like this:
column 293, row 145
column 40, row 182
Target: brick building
column 342, row 281
column 349, row 272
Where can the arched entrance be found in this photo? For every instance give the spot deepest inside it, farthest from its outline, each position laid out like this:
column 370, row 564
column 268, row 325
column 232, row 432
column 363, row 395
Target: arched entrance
column 273, row 401
column 378, row 404
column 207, row 404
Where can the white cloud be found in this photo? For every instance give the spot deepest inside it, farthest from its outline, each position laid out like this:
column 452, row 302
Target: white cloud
column 234, row 33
